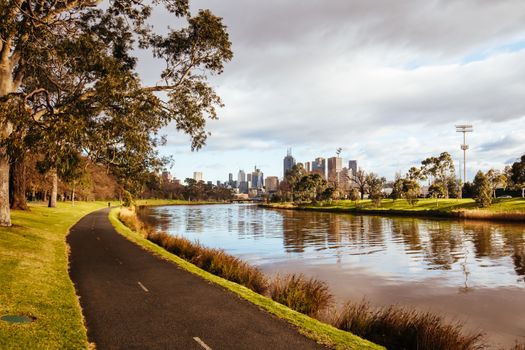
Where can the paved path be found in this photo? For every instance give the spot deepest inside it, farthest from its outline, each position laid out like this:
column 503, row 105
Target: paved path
column 134, row 300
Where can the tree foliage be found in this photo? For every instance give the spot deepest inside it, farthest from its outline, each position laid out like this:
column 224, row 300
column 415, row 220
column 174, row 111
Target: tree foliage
column 482, row 190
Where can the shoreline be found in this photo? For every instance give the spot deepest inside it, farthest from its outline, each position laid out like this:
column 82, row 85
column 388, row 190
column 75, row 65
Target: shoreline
column 464, row 214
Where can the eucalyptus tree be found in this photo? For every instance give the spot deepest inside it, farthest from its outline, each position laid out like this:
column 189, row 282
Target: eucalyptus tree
column 439, row 169
column 67, row 74
column 375, row 186
column 518, row 174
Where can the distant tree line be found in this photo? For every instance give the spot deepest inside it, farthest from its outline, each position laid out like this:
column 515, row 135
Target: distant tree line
column 438, row 171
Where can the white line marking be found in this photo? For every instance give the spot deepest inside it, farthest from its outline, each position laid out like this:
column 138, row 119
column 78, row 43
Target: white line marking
column 201, row 343
column 142, row 286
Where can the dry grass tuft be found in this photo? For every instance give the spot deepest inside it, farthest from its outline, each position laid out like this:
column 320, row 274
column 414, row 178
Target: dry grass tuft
column 308, row 296
column 399, row 328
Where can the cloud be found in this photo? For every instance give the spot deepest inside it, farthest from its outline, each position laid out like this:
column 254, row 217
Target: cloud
column 386, row 80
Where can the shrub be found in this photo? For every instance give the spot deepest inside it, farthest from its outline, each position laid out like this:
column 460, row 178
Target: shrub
column 215, row 261
column 308, row 296
column 399, row 328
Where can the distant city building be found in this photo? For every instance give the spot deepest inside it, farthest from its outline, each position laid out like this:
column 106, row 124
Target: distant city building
column 272, row 184
column 335, row 165
column 241, row 176
column 352, row 165
column 230, row 180
column 218, row 183
column 210, row 183
column 308, row 167
column 197, row 176
column 243, row 186
column 257, row 178
column 319, row 167
column 288, row 162
column 249, row 177
column 166, row 177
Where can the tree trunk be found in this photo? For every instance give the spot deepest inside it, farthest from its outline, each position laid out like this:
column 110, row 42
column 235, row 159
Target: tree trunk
column 6, row 87
column 18, row 182
column 5, row 214
column 73, row 194
column 54, row 189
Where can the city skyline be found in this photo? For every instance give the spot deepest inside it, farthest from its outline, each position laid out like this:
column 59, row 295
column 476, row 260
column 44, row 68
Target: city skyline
column 388, row 94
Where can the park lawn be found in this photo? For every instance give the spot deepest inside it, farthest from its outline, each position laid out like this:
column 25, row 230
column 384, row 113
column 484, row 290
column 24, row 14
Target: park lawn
column 34, row 278
column 425, row 204
column 320, row 332
column 157, row 202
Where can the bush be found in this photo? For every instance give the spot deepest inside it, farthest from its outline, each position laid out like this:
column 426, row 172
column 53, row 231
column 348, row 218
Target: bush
column 308, row 296
column 482, row 190
column 398, row 328
column 215, row 261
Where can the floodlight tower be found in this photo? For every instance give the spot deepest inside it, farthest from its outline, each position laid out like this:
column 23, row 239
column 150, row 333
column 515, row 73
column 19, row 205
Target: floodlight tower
column 464, row 129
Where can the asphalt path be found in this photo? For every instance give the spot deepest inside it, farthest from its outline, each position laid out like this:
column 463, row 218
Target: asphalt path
column 132, row 299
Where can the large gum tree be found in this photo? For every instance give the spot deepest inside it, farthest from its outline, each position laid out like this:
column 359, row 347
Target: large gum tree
column 68, row 81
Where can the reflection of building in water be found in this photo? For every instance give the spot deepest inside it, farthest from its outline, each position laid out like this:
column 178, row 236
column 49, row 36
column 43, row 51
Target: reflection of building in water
column 334, row 229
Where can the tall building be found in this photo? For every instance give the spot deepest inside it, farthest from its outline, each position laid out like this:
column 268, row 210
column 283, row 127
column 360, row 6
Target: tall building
column 257, row 178
column 335, row 165
column 197, row 175
column 308, row 167
column 352, row 165
column 241, row 176
column 272, row 184
column 288, row 162
column 319, row 167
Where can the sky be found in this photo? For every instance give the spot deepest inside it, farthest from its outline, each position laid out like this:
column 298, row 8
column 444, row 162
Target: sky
column 384, row 80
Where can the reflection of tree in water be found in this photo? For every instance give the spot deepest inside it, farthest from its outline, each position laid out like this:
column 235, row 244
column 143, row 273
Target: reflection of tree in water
column 445, row 244
column 407, row 230
column 298, row 233
column 515, row 244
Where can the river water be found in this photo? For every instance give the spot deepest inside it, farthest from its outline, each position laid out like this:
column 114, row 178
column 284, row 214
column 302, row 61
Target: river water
column 467, row 271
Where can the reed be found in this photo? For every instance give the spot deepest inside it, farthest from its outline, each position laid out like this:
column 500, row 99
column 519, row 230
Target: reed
column 400, row 328
column 308, row 296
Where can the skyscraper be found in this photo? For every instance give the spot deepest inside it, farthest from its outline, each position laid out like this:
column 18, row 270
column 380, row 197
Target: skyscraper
column 241, row 176
column 308, row 167
column 352, row 165
column 272, row 184
column 335, row 165
column 197, row 175
column 288, row 162
column 257, row 178
column 319, row 167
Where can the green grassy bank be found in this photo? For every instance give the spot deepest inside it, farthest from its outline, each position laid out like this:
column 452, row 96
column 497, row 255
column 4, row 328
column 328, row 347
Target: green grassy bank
column 321, row 332
column 512, row 209
column 34, row 279
column 157, row 202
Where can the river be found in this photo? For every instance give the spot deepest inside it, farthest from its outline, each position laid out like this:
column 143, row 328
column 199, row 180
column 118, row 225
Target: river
column 467, row 271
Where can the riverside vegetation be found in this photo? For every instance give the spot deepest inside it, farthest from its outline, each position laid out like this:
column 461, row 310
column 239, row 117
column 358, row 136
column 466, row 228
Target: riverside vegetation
column 393, row 327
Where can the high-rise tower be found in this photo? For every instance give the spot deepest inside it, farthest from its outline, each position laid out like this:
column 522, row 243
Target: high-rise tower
column 288, row 162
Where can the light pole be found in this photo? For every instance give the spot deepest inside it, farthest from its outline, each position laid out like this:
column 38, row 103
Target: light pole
column 464, row 129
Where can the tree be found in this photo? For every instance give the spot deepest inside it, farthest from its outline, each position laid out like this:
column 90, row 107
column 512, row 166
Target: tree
column 310, row 187
column 482, row 190
column 397, row 188
column 518, row 174
column 496, row 179
column 359, row 180
column 292, row 177
column 440, row 170
column 375, row 187
column 68, row 65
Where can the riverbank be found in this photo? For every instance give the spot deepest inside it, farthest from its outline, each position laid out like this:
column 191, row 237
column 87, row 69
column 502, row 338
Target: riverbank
column 35, row 278
column 321, row 332
column 503, row 210
column 162, row 202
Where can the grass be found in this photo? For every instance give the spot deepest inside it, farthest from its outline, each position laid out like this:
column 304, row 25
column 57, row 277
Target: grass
column 308, row 296
column 157, row 202
column 512, row 209
column 320, row 332
column 399, row 328
column 35, row 281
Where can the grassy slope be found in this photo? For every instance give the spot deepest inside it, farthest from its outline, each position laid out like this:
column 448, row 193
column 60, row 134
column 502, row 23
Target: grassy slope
column 321, row 332
column 153, row 202
column 423, row 205
column 34, row 279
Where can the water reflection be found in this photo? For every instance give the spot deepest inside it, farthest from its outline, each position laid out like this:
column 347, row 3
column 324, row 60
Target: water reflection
column 460, row 254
